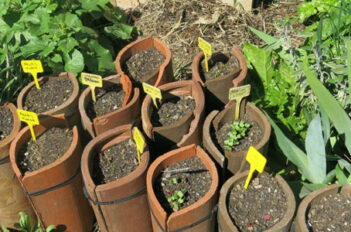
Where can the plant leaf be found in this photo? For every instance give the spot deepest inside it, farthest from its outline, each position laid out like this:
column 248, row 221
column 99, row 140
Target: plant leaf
column 332, row 107
column 74, row 63
column 340, row 175
column 307, row 188
column 348, row 47
column 265, row 37
column 315, row 150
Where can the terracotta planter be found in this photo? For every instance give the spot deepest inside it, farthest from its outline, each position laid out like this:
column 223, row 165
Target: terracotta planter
column 310, row 199
column 55, row 191
column 120, row 205
column 225, row 223
column 234, row 161
column 12, row 199
column 198, row 217
column 68, row 108
column 161, row 76
column 128, row 113
column 217, row 90
column 185, row 131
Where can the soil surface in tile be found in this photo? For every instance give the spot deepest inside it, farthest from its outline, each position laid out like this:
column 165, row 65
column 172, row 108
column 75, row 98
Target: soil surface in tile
column 219, row 65
column 50, row 146
column 6, row 122
column 182, row 184
column 259, row 207
column 52, row 94
column 107, row 100
column 171, row 110
column 143, row 63
column 253, row 135
column 330, row 213
column 115, row 162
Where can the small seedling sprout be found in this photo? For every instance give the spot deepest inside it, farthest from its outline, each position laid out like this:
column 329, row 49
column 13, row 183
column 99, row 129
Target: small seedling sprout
column 238, row 131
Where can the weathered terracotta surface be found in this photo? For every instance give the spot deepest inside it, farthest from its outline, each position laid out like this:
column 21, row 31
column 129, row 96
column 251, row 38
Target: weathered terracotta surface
column 193, row 213
column 217, row 90
column 64, row 206
column 186, row 130
column 129, row 112
column 301, row 220
column 234, row 161
column 225, row 223
column 131, row 215
column 161, row 76
column 12, row 200
column 68, row 108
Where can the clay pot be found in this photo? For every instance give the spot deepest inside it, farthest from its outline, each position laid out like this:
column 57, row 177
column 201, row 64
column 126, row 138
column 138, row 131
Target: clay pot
column 185, row 131
column 128, row 113
column 315, row 196
column 55, row 191
column 12, row 199
column 234, row 161
column 120, row 205
column 198, row 217
column 68, row 108
column 161, row 76
column 217, row 89
column 225, row 223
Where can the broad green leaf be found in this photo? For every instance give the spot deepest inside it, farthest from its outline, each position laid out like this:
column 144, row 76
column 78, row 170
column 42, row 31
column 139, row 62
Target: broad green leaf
column 105, row 60
column 35, row 45
column 72, row 21
column 349, row 180
column 307, row 188
column 348, row 47
column 93, row 5
column 340, row 175
column 75, row 62
column 66, row 45
column 316, row 151
column 344, row 165
column 50, row 228
column 120, row 30
column 265, row 37
column 325, row 125
column 332, row 107
column 262, row 61
column 49, row 48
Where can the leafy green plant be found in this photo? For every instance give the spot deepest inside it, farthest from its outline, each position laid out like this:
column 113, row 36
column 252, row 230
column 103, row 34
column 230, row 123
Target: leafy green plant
column 65, row 35
column 176, row 199
column 238, row 131
column 25, row 225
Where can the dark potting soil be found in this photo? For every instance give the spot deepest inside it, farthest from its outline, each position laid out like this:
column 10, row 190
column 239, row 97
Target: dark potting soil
column 115, row 162
column 217, row 69
column 254, row 135
column 107, row 100
column 144, row 63
column 259, row 207
column 189, row 176
column 171, row 110
column 50, row 146
column 52, row 93
column 6, row 122
column 330, row 213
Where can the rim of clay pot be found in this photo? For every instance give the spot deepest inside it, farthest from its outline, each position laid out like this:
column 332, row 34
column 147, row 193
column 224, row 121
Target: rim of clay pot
column 179, row 88
column 144, row 44
column 238, row 80
column 108, row 139
column 68, row 106
column 18, row 142
column 5, row 143
column 245, row 107
column 223, row 209
column 167, row 159
column 129, row 99
column 300, row 220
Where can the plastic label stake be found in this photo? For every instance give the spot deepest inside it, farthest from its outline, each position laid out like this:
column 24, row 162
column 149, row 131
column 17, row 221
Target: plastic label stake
column 238, row 94
column 93, row 81
column 153, row 91
column 30, row 118
column 257, row 162
column 33, row 67
column 139, row 140
column 206, row 48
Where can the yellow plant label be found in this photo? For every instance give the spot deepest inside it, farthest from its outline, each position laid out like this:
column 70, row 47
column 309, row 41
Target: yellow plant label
column 33, row 67
column 154, row 92
column 139, row 140
column 238, row 93
column 257, row 163
column 93, row 81
column 30, row 118
column 206, row 48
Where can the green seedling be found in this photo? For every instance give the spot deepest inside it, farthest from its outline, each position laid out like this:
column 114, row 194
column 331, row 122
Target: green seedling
column 174, row 181
column 238, row 131
column 25, row 225
column 176, row 199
